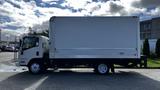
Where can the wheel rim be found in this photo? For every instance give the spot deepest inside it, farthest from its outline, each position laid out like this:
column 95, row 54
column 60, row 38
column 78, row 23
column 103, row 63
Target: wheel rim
column 102, row 68
column 35, row 67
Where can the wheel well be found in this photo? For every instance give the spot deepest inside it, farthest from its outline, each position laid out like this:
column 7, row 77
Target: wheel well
column 35, row 60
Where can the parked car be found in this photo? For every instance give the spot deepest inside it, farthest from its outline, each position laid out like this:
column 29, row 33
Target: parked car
column 3, row 48
column 9, row 48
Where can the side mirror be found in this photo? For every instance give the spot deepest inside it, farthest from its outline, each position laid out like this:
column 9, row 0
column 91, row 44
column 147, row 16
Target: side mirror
column 21, row 52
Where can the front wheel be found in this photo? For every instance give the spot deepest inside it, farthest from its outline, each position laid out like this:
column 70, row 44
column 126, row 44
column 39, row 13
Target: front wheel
column 102, row 68
column 35, row 67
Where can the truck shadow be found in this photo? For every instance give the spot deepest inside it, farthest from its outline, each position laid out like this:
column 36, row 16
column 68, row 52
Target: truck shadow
column 68, row 80
column 19, row 81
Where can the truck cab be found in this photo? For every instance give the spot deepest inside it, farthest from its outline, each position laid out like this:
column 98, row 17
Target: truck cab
column 33, row 49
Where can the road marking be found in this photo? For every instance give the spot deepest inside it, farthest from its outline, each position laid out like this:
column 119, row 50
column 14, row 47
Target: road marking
column 35, row 86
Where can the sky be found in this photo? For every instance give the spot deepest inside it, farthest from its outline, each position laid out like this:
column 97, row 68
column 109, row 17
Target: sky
column 18, row 15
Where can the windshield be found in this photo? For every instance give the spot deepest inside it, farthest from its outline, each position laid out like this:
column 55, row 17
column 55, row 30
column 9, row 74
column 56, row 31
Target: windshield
column 29, row 42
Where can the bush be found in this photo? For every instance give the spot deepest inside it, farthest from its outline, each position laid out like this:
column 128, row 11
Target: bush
column 158, row 48
column 146, row 49
column 153, row 55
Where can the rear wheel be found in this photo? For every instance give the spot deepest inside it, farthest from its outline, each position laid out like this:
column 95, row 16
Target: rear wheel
column 102, row 68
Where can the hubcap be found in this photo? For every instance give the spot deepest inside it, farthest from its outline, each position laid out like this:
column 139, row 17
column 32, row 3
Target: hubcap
column 102, row 68
column 35, row 67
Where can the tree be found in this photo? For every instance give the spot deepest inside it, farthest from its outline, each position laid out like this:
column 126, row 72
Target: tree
column 43, row 33
column 146, row 49
column 158, row 48
column 30, row 30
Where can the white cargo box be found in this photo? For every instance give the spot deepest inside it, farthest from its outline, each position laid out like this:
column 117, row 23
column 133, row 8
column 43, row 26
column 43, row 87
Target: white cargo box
column 94, row 37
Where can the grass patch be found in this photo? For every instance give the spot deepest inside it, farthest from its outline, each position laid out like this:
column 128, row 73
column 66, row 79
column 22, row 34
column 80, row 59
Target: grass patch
column 153, row 63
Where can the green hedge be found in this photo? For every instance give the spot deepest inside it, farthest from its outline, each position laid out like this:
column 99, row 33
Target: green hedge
column 157, row 49
column 146, row 49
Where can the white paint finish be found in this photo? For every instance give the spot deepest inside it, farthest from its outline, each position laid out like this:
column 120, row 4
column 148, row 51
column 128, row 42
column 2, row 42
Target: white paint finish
column 96, row 53
column 28, row 55
column 31, row 52
column 95, row 32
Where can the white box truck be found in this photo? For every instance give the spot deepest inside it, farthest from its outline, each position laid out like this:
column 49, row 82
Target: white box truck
column 97, row 42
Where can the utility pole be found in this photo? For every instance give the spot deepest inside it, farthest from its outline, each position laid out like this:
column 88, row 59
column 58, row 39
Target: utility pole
column 0, row 37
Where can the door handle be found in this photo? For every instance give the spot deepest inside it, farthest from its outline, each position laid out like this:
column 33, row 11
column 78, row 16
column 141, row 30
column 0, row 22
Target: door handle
column 37, row 53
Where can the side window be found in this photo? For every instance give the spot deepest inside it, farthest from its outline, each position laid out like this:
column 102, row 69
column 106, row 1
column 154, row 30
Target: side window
column 29, row 42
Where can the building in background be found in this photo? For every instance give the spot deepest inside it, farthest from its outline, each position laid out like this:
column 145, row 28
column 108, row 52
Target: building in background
column 8, row 38
column 150, row 29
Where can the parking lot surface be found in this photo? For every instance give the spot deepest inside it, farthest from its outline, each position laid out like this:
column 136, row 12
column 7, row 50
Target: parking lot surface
column 6, row 56
column 16, row 78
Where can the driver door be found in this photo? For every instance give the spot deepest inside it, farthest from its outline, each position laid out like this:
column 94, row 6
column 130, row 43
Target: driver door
column 29, row 50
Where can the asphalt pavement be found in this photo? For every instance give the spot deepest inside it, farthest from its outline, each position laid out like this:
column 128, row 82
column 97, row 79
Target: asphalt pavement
column 7, row 63
column 75, row 79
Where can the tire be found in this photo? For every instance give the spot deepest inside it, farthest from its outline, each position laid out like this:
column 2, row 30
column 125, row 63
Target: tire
column 102, row 69
column 35, row 67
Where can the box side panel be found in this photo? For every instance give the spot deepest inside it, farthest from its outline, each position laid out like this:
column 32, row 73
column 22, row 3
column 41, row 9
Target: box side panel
column 94, row 37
